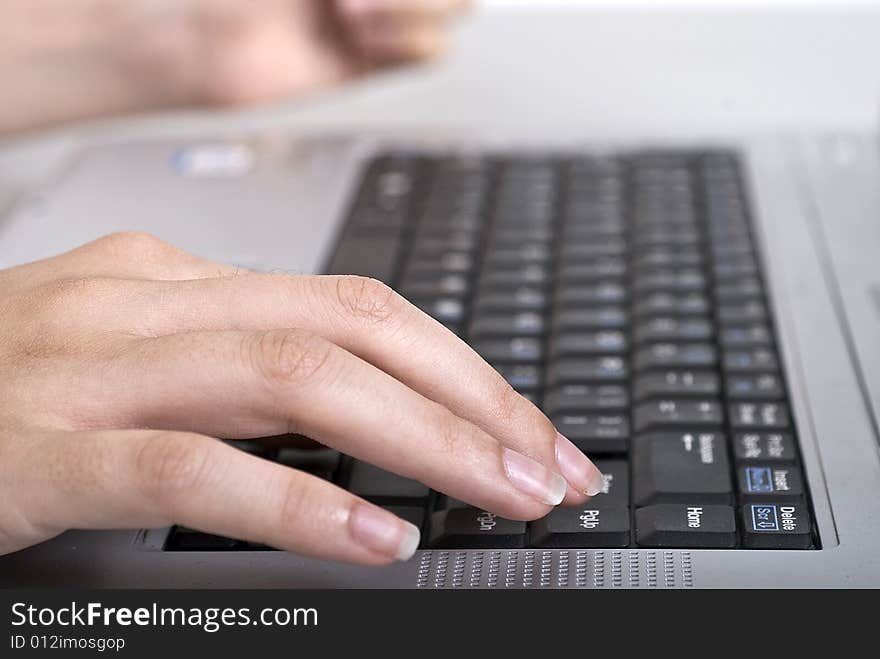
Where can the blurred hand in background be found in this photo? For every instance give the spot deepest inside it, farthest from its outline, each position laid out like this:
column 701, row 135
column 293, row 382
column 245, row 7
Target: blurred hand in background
column 63, row 60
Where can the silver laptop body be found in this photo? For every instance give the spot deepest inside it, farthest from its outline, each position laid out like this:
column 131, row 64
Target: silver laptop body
column 277, row 202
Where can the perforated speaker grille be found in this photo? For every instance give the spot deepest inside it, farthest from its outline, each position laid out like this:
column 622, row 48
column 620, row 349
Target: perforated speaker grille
column 575, row 568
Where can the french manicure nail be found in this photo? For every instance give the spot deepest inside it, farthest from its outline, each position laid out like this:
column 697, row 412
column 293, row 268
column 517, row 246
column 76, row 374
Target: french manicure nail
column 533, row 478
column 384, row 533
column 577, row 468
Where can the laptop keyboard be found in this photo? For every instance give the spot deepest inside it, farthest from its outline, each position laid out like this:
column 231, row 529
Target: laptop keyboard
column 624, row 296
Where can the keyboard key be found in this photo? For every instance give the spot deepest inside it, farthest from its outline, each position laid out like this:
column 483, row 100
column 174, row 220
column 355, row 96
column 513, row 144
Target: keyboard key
column 522, row 377
column 444, row 309
column 596, row 369
column 526, row 323
column 676, row 383
column 675, row 355
column 687, row 526
column 525, row 298
column 672, row 328
column 764, row 447
column 615, row 491
column 764, row 482
column 676, row 413
column 755, row 334
column 742, row 312
column 776, row 526
column 588, row 343
column 753, row 360
column 596, row 318
column 747, row 416
column 186, row 539
column 585, row 398
column 464, row 528
column 595, row 433
column 672, row 304
column 762, row 386
column 371, row 482
column 610, row 292
column 529, row 275
column 322, row 462
column 681, row 468
column 519, row 349
column 586, row 526
column 434, row 286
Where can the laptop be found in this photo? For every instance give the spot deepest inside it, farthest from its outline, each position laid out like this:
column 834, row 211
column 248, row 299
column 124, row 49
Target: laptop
column 702, row 319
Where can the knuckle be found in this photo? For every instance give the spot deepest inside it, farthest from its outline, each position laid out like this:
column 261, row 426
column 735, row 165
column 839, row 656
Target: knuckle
column 171, row 463
column 137, row 243
column 366, row 299
column 289, row 357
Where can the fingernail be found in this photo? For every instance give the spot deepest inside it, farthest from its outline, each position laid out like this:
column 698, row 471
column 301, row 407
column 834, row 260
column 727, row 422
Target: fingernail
column 384, row 533
column 533, row 478
column 577, row 468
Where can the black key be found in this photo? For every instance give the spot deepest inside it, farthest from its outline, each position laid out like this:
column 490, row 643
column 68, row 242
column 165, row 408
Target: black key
column 443, row 264
column 580, row 371
column 579, row 398
column 689, row 526
column 615, row 491
column 522, row 377
column 592, row 525
column 515, row 277
column 526, row 323
column 517, row 255
column 583, row 251
column 186, row 539
column 443, row 309
column 254, row 447
column 595, row 318
column 667, row 257
column 672, row 328
column 742, row 312
column 676, row 355
column 762, row 386
column 370, row 482
column 668, row 413
column 672, row 280
column 752, row 447
column 519, row 349
column 598, row 269
column 462, row 528
column 770, row 482
column 609, row 292
column 676, row 383
column 681, row 468
column 524, row 298
column 595, row 433
column 369, row 256
column 588, row 343
column 434, row 286
column 776, row 526
column 671, row 303
column 748, row 416
column 754, row 334
column 322, row 462
column 735, row 268
column 751, row 360
column 748, row 287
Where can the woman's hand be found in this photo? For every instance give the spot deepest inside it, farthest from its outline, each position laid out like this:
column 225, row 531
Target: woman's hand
column 62, row 60
column 122, row 358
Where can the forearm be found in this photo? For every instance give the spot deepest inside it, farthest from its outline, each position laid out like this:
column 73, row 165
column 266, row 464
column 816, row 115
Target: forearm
column 63, row 60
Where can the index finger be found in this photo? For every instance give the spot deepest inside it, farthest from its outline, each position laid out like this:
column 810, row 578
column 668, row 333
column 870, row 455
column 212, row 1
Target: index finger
column 369, row 319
